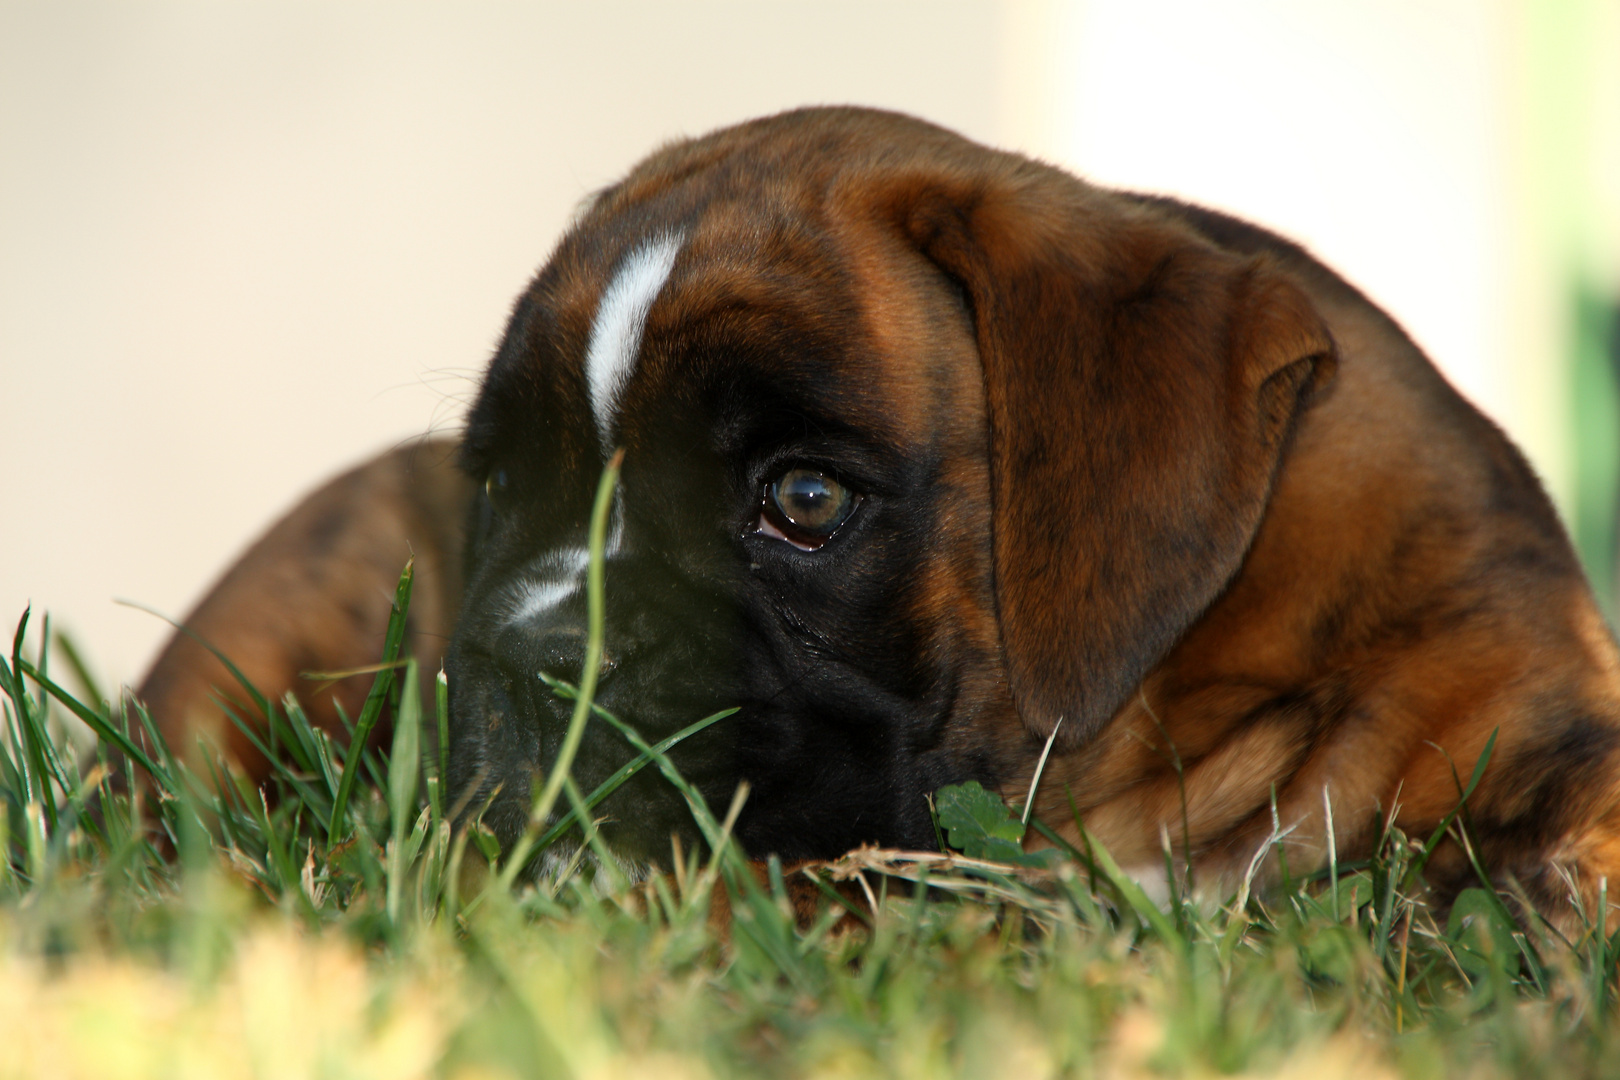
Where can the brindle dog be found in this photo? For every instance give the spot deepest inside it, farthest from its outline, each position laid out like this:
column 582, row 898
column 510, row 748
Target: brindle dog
column 935, row 453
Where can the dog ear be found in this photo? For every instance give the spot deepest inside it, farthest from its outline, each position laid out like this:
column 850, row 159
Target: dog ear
column 1141, row 386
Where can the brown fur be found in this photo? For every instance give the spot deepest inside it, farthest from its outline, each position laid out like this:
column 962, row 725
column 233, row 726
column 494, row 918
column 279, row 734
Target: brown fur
column 1203, row 502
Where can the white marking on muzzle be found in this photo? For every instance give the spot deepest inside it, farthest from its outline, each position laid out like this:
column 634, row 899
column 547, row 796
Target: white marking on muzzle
column 562, row 857
column 556, row 576
column 616, row 332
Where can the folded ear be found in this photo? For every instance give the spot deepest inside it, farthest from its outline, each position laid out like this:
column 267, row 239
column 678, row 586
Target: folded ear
column 1141, row 386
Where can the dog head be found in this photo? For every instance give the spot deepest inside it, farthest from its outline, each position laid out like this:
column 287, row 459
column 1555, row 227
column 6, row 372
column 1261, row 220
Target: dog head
column 928, row 450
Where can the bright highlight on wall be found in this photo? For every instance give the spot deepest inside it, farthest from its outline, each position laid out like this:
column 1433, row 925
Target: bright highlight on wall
column 1457, row 159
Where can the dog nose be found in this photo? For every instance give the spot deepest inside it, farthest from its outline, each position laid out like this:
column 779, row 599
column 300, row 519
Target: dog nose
column 560, row 652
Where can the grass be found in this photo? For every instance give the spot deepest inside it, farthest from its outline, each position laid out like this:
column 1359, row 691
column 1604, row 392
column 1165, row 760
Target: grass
column 340, row 924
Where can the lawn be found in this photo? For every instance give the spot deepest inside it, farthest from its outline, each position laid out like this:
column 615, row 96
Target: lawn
column 349, row 921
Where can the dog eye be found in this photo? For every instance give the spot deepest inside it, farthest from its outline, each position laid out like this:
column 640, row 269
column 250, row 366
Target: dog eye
column 805, row 508
column 495, row 486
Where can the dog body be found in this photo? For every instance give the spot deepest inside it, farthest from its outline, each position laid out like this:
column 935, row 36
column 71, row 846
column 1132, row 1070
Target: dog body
column 935, row 455
column 1408, row 594
column 313, row 596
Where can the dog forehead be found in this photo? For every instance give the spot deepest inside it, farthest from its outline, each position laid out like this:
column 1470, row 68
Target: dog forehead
column 756, row 257
column 742, row 293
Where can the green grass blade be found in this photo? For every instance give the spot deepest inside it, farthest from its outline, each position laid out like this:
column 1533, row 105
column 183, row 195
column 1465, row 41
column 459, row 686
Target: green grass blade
column 259, row 700
column 172, row 768
column 282, row 862
column 1462, row 800
column 595, row 631
column 13, row 770
column 441, row 759
column 291, row 728
column 625, row 771
column 81, row 670
column 1134, row 895
column 27, row 727
column 280, row 771
column 337, row 825
column 404, row 765
column 103, row 728
column 695, row 802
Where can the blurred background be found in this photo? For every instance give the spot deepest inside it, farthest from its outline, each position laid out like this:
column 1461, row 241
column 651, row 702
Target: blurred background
column 244, row 245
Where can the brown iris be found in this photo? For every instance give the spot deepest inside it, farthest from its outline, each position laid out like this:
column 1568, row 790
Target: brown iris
column 805, row 507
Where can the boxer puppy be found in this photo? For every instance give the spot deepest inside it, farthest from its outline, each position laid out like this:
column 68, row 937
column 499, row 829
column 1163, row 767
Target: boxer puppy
column 935, row 455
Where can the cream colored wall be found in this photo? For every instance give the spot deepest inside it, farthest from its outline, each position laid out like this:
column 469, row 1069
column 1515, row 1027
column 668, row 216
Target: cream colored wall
column 241, row 245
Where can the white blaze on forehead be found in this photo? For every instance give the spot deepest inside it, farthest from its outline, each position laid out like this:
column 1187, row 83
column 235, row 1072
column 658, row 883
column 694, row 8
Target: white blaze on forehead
column 616, row 333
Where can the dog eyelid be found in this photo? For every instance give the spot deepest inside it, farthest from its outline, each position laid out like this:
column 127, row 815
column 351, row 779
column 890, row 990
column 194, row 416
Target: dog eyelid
column 805, row 507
